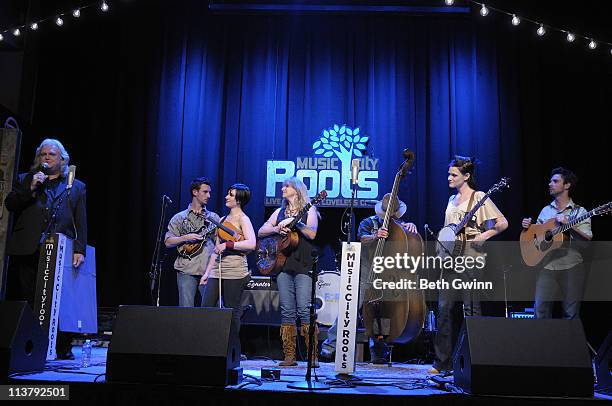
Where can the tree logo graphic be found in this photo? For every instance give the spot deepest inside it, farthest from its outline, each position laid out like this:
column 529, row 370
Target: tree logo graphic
column 345, row 143
column 341, row 141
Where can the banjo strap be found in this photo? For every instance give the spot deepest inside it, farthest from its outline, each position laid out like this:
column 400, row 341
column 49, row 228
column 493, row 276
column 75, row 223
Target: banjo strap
column 469, row 207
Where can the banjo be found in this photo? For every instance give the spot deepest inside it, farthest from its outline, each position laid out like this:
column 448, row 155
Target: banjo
column 452, row 237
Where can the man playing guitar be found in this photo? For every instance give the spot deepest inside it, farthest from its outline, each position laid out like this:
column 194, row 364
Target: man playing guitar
column 563, row 267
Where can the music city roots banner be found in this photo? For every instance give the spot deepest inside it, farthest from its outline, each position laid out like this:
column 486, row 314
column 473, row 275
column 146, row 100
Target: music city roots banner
column 49, row 286
column 329, row 168
column 348, row 306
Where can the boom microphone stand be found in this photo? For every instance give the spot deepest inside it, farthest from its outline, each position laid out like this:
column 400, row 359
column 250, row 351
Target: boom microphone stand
column 156, row 262
column 308, row 384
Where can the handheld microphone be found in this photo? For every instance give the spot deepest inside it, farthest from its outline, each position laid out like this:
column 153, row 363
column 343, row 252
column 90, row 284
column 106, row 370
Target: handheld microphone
column 43, row 167
column 71, row 174
column 354, row 171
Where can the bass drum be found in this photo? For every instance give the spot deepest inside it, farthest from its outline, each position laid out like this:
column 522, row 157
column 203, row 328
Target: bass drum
column 327, row 297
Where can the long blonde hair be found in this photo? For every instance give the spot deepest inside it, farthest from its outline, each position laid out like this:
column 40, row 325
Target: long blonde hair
column 302, row 193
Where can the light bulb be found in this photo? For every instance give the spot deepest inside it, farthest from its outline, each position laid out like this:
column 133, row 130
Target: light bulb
column 592, row 44
column 16, row 32
column 570, row 37
column 59, row 21
column 104, row 7
column 484, row 11
column 541, row 30
column 449, row 2
column 34, row 26
column 76, row 13
column 515, row 20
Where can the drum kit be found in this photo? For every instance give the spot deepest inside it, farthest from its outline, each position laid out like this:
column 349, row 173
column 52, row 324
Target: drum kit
column 327, row 297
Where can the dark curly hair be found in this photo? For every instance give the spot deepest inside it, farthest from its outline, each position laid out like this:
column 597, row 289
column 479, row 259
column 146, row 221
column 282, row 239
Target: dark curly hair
column 567, row 175
column 465, row 165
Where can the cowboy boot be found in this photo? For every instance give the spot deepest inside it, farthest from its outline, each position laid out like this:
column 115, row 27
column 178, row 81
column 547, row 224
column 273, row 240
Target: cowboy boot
column 304, row 331
column 288, row 334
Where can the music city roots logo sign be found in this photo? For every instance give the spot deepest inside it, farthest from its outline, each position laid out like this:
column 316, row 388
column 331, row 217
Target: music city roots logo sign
column 329, row 169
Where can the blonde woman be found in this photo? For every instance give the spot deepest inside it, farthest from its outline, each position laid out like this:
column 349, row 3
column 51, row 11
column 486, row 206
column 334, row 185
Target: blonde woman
column 294, row 282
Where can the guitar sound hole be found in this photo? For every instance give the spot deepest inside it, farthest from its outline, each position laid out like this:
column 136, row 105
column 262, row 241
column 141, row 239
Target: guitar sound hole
column 545, row 245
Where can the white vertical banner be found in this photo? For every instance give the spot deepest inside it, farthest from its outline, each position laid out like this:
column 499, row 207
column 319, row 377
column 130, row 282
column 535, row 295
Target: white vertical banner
column 347, row 308
column 57, row 294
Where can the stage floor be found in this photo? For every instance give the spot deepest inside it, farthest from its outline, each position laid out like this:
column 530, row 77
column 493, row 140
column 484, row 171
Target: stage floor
column 371, row 380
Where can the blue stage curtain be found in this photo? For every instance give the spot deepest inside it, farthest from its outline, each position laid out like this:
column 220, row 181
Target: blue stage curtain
column 235, row 91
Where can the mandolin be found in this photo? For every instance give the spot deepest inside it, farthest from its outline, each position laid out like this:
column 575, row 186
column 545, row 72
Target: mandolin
column 226, row 231
column 273, row 250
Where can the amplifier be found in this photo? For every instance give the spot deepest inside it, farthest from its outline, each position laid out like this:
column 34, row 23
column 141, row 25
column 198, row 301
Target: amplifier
column 261, row 302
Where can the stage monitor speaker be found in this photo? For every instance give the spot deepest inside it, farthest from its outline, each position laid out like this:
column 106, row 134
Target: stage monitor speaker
column 175, row 345
column 603, row 364
column 525, row 357
column 23, row 345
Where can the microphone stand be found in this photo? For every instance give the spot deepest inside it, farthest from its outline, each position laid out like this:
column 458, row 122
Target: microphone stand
column 435, row 238
column 351, row 227
column 156, row 262
column 53, row 218
column 308, row 384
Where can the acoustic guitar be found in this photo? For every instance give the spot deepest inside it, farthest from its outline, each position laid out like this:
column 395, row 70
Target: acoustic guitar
column 541, row 239
column 273, row 250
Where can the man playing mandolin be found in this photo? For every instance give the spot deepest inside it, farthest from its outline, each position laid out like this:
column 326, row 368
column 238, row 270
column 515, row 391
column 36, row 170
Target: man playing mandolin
column 193, row 233
column 564, row 267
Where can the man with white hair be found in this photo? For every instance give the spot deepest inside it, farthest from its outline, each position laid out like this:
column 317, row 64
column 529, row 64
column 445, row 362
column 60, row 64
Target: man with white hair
column 41, row 204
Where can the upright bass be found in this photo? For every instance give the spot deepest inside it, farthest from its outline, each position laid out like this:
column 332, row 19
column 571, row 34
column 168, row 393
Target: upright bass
column 398, row 315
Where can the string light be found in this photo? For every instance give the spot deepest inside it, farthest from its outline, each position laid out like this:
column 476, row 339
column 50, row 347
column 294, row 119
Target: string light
column 57, row 18
column 449, row 2
column 484, row 11
column 541, row 30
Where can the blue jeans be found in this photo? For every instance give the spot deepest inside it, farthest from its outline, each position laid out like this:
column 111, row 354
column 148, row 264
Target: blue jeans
column 567, row 285
column 294, row 291
column 187, row 287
